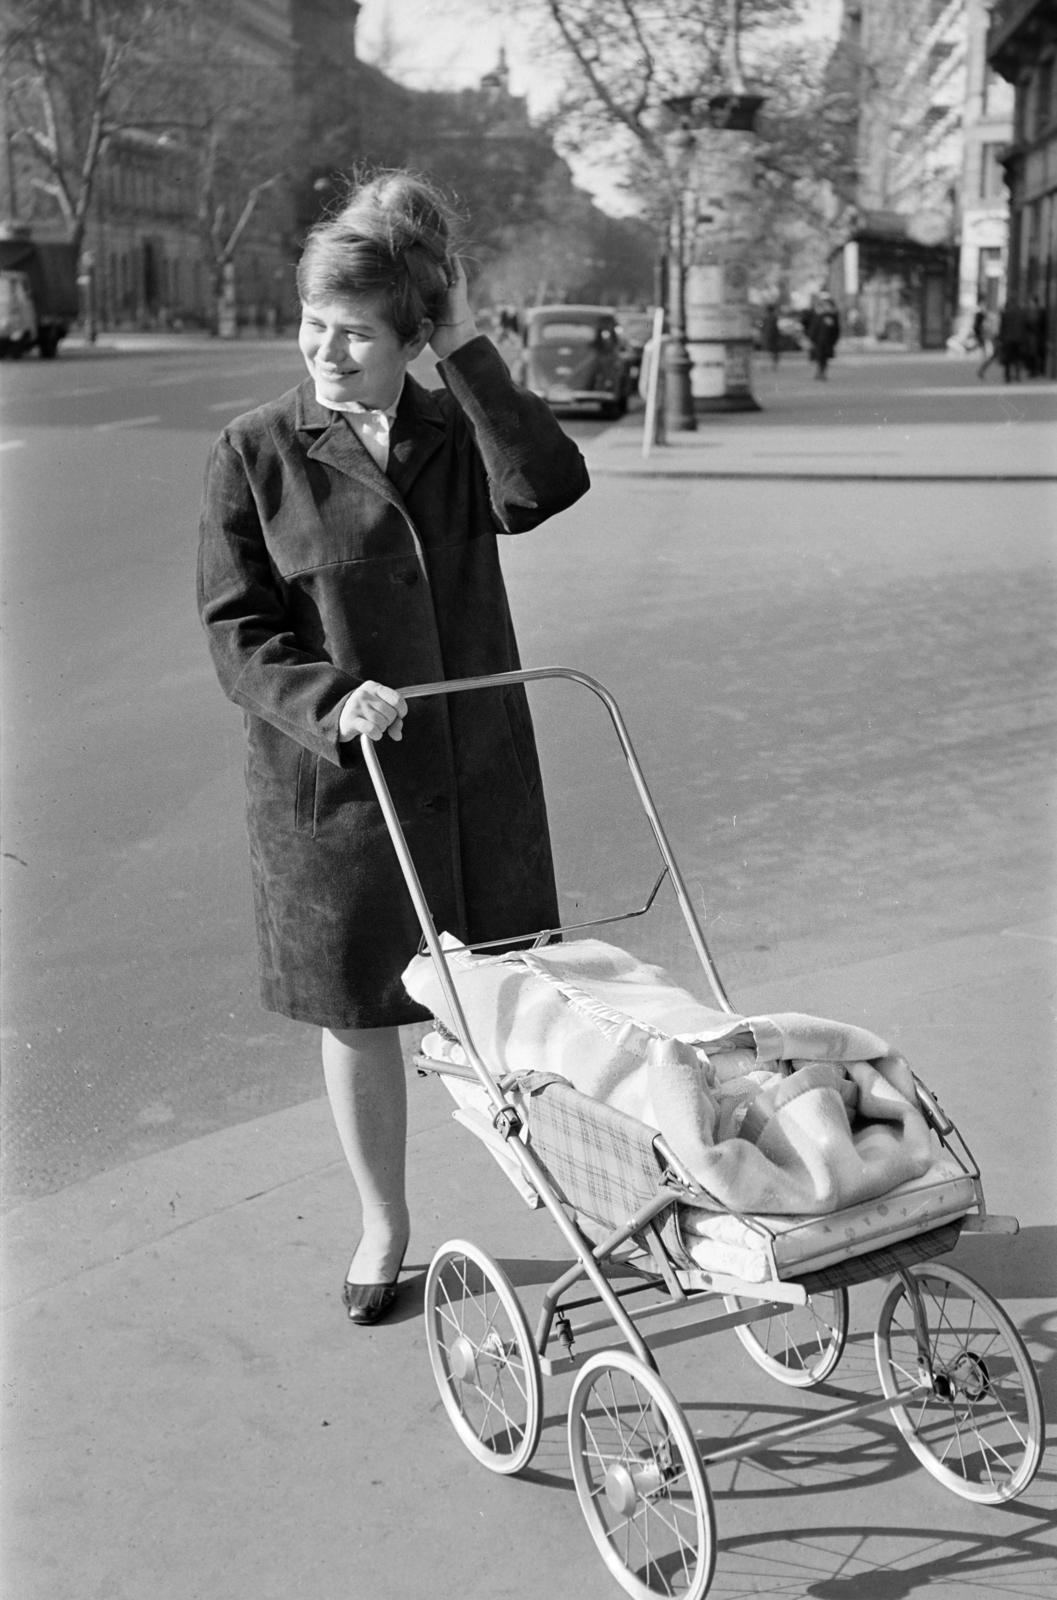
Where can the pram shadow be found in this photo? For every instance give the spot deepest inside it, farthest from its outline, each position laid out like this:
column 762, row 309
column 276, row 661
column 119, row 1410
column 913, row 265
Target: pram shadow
column 977, row 1559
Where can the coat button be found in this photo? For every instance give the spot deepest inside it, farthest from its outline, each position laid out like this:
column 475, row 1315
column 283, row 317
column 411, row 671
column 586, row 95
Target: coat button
column 439, row 802
column 409, row 577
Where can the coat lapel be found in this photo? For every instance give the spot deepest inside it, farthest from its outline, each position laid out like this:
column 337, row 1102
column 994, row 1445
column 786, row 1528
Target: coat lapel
column 417, row 434
column 335, row 443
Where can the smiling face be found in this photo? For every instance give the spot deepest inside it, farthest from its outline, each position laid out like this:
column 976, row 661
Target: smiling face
column 353, row 352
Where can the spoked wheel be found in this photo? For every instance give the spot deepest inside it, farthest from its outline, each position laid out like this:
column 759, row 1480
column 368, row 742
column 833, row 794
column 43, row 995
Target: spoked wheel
column 798, row 1345
column 980, row 1430
column 484, row 1358
column 639, row 1479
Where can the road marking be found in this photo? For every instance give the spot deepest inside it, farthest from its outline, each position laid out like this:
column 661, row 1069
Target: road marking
column 226, row 405
column 1022, row 933
column 12, row 444
column 75, row 394
column 125, row 422
column 797, row 455
column 174, row 378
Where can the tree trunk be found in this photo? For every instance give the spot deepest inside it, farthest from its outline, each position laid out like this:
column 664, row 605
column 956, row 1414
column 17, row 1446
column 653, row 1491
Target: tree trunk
column 227, row 305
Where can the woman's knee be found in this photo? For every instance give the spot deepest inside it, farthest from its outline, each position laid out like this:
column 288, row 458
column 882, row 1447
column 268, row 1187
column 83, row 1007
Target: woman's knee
column 369, row 1039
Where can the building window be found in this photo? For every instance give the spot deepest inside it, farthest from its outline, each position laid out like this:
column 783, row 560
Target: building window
column 1027, row 101
column 992, row 179
column 1043, row 99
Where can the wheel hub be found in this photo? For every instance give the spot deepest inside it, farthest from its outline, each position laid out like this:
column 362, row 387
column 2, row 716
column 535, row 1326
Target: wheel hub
column 462, row 1359
column 626, row 1485
column 970, row 1375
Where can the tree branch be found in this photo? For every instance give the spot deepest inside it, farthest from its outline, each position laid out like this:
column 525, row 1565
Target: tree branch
column 247, row 212
column 630, row 119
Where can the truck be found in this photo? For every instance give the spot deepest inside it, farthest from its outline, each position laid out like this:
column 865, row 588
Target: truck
column 38, row 294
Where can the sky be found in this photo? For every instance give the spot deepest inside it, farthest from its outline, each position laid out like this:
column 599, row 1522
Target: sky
column 451, row 44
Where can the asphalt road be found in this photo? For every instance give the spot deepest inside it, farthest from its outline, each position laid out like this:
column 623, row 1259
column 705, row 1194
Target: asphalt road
column 842, row 693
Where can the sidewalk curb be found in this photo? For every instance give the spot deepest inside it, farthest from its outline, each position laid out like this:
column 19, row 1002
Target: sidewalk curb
column 748, row 476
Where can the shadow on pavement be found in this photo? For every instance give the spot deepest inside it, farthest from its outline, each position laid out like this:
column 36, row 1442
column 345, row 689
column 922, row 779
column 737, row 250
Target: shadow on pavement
column 1023, row 1267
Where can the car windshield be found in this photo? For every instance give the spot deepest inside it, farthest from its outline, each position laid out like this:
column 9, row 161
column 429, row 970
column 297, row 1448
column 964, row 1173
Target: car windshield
column 563, row 333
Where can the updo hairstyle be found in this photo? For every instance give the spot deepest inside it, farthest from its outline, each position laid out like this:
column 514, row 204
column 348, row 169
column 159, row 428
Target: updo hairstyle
column 392, row 238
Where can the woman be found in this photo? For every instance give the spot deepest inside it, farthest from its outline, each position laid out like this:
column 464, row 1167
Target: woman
column 823, row 331
column 348, row 546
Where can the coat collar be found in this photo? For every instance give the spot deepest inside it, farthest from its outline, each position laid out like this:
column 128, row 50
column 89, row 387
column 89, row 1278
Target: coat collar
column 417, row 434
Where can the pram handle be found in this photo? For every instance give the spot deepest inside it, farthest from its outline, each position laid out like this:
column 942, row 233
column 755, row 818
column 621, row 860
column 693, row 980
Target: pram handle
column 500, row 680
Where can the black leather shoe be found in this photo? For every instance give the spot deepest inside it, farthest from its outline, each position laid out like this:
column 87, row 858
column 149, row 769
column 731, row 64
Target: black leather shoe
column 369, row 1302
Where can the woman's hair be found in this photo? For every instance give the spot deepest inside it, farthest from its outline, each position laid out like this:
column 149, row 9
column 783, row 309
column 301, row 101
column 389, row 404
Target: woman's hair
column 392, row 238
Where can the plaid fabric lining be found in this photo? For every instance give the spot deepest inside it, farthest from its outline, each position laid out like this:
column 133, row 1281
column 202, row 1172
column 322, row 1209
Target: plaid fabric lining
column 882, row 1263
column 602, row 1163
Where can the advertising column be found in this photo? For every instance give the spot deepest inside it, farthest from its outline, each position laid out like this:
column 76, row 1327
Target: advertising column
column 719, row 326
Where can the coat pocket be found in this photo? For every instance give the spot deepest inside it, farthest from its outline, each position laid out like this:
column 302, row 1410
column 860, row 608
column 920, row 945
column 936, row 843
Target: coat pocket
column 305, row 798
column 524, row 740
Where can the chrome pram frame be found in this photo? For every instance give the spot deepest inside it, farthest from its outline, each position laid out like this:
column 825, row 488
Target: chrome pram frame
column 645, row 1496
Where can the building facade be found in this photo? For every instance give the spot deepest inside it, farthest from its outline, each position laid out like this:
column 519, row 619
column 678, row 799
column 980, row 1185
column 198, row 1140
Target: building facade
column 928, row 242
column 984, row 202
column 1022, row 49
column 147, row 260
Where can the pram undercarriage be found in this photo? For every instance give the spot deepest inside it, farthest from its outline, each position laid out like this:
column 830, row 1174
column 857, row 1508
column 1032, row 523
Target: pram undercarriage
column 954, row 1373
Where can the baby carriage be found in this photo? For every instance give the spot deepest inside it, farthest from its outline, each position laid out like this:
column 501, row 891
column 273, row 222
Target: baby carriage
column 651, row 1242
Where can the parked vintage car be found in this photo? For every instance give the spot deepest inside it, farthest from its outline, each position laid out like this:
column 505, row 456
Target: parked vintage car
column 574, row 356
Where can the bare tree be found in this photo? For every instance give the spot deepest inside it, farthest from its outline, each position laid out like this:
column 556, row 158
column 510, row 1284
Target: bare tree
column 628, row 70
column 76, row 73
column 624, row 60
column 240, row 131
column 84, row 77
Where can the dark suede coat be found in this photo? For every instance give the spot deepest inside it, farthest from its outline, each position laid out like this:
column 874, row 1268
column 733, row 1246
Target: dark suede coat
column 318, row 571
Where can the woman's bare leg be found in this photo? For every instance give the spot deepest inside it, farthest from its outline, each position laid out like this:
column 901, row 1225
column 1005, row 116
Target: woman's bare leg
column 364, row 1073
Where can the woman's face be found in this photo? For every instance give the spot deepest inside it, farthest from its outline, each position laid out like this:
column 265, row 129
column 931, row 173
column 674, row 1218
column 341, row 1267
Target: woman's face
column 353, row 352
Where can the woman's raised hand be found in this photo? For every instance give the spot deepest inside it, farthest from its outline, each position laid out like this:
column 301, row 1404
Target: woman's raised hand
column 455, row 325
column 372, row 709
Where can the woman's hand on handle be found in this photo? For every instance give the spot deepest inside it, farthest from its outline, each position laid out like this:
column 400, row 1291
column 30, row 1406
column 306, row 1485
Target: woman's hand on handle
column 372, row 709
column 456, row 325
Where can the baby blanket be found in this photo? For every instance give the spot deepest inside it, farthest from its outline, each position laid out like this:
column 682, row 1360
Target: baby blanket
column 784, row 1113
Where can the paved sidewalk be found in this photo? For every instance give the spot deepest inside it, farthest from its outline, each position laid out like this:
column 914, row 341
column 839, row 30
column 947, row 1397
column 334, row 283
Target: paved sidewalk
column 189, row 1416
column 110, row 343
column 1017, row 449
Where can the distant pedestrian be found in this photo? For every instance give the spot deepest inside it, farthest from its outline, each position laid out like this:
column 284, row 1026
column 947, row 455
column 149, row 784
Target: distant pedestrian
column 771, row 334
column 1035, row 338
column 1012, row 341
column 989, row 344
column 979, row 321
column 823, row 332
column 348, row 546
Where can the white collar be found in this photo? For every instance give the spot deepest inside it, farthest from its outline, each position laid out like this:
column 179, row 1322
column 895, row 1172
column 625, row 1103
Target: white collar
column 354, row 407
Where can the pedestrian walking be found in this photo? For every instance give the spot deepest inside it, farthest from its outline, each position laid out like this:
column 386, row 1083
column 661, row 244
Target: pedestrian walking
column 979, row 325
column 1035, row 337
column 1012, row 341
column 771, row 334
column 989, row 345
column 823, row 332
column 349, row 546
